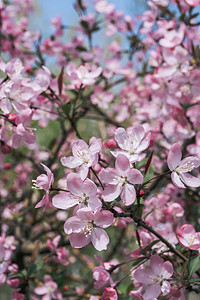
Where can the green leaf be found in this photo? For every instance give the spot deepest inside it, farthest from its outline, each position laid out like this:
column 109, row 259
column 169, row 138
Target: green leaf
column 193, row 280
column 148, row 213
column 194, row 265
column 147, row 248
column 66, row 108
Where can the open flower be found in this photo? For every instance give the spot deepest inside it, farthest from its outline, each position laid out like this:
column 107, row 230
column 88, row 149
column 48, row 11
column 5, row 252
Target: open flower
column 44, row 182
column 120, row 181
column 84, row 156
column 81, row 193
column 87, row 227
column 188, row 237
column 132, row 142
column 49, row 290
column 155, row 277
column 180, row 168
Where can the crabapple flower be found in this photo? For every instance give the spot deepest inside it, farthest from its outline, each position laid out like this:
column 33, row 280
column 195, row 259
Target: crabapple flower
column 87, row 226
column 101, row 275
column 82, row 76
column 188, row 237
column 109, row 293
column 80, row 192
column 180, row 168
column 59, row 254
column 49, row 290
column 155, row 276
column 132, row 142
column 23, row 130
column 84, row 156
column 44, row 182
column 120, row 181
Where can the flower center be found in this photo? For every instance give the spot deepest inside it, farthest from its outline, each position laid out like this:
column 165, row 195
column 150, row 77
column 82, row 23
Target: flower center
column 83, row 154
column 187, row 167
column 88, row 229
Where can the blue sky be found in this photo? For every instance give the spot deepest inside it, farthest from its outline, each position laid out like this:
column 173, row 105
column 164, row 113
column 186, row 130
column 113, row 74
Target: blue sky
column 48, row 9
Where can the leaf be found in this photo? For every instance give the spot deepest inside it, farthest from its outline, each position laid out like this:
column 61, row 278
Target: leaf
column 147, row 248
column 66, row 108
column 148, row 213
column 194, row 265
column 148, row 163
column 60, row 81
column 193, row 280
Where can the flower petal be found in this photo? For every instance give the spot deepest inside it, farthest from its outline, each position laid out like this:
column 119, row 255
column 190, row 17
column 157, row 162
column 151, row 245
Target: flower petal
column 99, row 239
column 79, row 240
column 176, row 180
column 174, row 156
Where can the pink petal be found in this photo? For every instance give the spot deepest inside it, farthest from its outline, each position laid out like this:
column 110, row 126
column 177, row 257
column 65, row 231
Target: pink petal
column 190, row 180
column 174, row 156
column 143, row 276
column 156, row 263
column 166, row 270
column 75, row 184
column 122, row 163
column 70, row 162
column 41, row 290
column 134, row 176
column 89, row 188
column 64, row 200
column 73, row 224
column 108, row 176
column 153, row 291
column 111, row 192
column 79, row 144
column 191, row 160
column 176, row 180
column 128, row 194
column 103, row 219
column 99, row 239
column 85, row 214
column 144, row 144
column 79, row 240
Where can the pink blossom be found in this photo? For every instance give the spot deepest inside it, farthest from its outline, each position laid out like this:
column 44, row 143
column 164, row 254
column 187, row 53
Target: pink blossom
column 87, row 226
column 82, row 76
column 59, row 254
column 173, row 38
column 109, row 293
column 132, row 142
column 120, row 181
column 175, row 210
column 49, row 290
column 101, row 275
column 101, row 97
column 193, row 2
column 23, row 130
column 180, row 168
column 15, row 95
column 84, row 156
column 156, row 277
column 188, row 237
column 83, row 193
column 194, row 149
column 44, row 182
